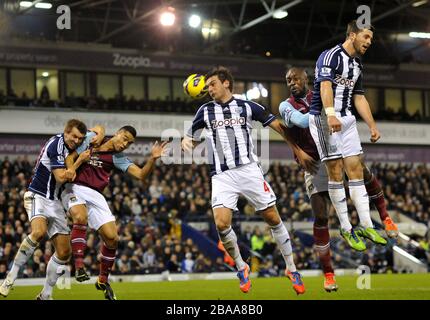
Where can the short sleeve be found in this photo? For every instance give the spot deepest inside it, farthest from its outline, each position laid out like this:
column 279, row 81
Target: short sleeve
column 198, row 123
column 358, row 87
column 55, row 154
column 86, row 143
column 326, row 66
column 259, row 113
column 121, row 162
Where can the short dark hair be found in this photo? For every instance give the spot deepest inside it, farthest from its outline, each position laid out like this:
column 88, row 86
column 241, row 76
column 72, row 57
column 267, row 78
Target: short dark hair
column 75, row 123
column 353, row 27
column 130, row 129
column 223, row 74
column 297, row 70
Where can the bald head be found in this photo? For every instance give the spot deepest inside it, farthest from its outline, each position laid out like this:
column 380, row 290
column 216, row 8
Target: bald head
column 297, row 81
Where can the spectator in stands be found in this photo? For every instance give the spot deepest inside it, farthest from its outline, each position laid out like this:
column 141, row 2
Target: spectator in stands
column 173, row 264
column 257, row 240
column 148, row 245
column 187, row 264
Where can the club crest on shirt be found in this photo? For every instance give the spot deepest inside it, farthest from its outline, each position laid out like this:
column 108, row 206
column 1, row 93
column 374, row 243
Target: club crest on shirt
column 95, row 162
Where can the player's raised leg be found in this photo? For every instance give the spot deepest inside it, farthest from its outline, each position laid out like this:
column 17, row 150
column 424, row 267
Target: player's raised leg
column 57, row 265
column 109, row 234
column 223, row 217
column 359, row 196
column 376, row 196
column 78, row 236
column 282, row 238
column 25, row 252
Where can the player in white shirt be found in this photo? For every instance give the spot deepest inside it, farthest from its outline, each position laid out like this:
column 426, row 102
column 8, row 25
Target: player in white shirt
column 338, row 85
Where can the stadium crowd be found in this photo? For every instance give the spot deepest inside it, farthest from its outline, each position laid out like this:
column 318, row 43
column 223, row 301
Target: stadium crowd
column 167, row 105
column 150, row 215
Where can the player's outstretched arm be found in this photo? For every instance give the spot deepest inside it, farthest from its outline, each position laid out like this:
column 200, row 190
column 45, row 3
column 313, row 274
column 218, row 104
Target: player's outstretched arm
column 306, row 161
column 363, row 109
column 100, row 135
column 142, row 173
column 293, row 117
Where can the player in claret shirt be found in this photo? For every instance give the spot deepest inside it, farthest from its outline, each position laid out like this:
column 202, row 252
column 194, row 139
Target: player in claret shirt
column 84, row 200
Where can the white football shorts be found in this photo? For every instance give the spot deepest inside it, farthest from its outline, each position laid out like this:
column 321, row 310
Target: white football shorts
column 38, row 206
column 97, row 207
column 317, row 182
column 246, row 180
column 342, row 144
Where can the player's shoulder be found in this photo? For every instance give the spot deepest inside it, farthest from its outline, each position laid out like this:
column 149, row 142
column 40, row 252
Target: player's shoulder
column 55, row 143
column 327, row 55
column 205, row 106
column 251, row 104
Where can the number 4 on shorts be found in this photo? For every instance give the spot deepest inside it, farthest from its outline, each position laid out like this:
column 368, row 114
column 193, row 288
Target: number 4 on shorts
column 266, row 187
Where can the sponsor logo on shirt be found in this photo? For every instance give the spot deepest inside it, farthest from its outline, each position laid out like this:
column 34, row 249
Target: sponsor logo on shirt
column 228, row 122
column 344, row 81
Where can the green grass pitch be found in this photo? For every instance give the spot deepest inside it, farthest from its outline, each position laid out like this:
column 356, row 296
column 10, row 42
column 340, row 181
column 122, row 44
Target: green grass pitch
column 389, row 286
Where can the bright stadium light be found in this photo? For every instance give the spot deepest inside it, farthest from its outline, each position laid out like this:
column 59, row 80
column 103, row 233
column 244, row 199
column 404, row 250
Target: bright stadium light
column 419, row 3
column 43, row 5
column 420, row 35
column 280, row 14
column 25, row 4
column 167, row 17
column 194, row 21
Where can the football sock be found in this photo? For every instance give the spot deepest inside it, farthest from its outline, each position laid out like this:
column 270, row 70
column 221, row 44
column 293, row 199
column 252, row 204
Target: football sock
column 376, row 196
column 359, row 196
column 26, row 250
column 229, row 240
column 282, row 238
column 79, row 244
column 106, row 262
column 322, row 247
column 336, row 191
column 55, row 269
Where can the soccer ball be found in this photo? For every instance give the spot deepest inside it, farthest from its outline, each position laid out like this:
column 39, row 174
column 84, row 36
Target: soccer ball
column 194, row 86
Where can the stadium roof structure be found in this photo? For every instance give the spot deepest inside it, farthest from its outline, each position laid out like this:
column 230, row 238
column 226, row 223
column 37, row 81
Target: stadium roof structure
column 228, row 27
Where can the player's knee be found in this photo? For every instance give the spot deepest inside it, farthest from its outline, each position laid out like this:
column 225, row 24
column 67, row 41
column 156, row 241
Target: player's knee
column 63, row 253
column 79, row 215
column 112, row 241
column 271, row 216
column 80, row 218
column 37, row 234
column 272, row 220
column 335, row 170
column 222, row 225
column 321, row 220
